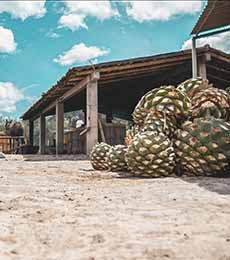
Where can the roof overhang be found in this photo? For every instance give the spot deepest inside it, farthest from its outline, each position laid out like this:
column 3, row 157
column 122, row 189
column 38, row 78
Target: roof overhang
column 215, row 15
column 117, row 71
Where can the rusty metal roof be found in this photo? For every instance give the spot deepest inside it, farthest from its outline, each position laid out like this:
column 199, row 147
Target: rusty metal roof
column 116, row 70
column 215, row 15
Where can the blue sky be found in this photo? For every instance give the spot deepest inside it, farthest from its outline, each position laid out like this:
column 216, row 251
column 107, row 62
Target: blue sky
column 40, row 41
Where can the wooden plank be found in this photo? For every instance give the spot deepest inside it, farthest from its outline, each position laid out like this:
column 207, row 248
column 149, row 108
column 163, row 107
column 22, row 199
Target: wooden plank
column 92, row 114
column 101, row 131
column 59, row 128
column 31, row 132
column 220, row 57
column 217, row 68
column 220, row 79
column 42, row 134
column 202, row 70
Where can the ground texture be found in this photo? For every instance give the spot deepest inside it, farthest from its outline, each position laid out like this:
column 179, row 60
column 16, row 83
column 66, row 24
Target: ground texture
column 62, row 210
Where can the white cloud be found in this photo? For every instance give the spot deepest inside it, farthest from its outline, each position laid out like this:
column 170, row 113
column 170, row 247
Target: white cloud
column 220, row 41
column 80, row 53
column 52, row 35
column 77, row 11
column 7, row 43
column 160, row 10
column 10, row 95
column 23, row 9
column 73, row 21
column 99, row 9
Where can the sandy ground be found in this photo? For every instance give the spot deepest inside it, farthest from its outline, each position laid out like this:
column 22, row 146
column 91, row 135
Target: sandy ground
column 54, row 210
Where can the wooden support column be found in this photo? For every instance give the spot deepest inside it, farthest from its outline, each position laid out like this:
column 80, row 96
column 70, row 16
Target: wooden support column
column 202, row 67
column 92, row 112
column 42, row 134
column 31, row 132
column 59, row 128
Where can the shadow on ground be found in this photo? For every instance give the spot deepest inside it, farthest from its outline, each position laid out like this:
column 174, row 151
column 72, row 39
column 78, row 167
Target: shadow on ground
column 218, row 185
column 212, row 184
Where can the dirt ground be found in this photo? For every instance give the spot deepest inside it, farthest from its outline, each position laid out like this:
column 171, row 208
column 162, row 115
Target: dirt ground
column 62, row 210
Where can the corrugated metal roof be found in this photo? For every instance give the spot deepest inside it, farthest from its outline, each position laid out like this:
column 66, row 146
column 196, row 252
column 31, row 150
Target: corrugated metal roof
column 215, row 15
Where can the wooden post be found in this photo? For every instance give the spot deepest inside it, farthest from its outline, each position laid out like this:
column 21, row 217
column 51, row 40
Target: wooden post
column 92, row 112
column 202, row 67
column 59, row 128
column 31, row 132
column 42, row 136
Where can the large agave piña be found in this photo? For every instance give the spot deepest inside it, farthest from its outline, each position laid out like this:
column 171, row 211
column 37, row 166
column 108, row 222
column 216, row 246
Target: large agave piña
column 214, row 101
column 166, row 99
column 203, row 146
column 150, row 154
column 192, row 86
column 98, row 156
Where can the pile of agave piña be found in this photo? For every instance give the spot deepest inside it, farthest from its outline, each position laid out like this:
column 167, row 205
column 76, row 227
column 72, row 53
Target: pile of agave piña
column 183, row 130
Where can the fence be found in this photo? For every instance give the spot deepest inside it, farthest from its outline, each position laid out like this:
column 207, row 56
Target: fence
column 9, row 144
column 75, row 143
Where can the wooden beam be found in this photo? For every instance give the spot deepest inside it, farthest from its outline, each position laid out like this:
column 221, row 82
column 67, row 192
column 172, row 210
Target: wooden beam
column 217, row 68
column 177, row 70
column 78, row 87
column 220, row 57
column 59, row 128
column 139, row 72
column 183, row 57
column 92, row 113
column 120, row 71
column 219, row 78
column 42, row 134
column 31, row 132
column 204, row 18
